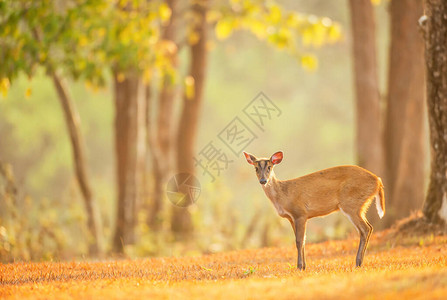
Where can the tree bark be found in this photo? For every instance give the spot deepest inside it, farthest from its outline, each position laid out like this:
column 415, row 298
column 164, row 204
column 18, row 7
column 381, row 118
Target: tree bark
column 72, row 120
column 162, row 159
column 405, row 130
column 154, row 205
column 181, row 223
column 369, row 142
column 435, row 206
column 129, row 122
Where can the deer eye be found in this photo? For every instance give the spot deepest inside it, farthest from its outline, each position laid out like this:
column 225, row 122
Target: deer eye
column 256, row 169
column 269, row 168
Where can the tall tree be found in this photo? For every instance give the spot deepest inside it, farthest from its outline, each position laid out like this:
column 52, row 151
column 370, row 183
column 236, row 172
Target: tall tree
column 369, row 142
column 73, row 122
column 435, row 206
column 404, row 128
column 181, row 222
column 38, row 31
column 126, row 83
column 368, row 121
column 135, row 35
column 162, row 144
column 129, row 105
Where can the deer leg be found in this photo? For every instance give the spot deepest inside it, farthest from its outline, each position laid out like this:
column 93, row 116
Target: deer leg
column 369, row 229
column 300, row 231
column 365, row 229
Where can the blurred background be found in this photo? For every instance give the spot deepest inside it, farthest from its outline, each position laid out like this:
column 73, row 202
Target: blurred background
column 104, row 101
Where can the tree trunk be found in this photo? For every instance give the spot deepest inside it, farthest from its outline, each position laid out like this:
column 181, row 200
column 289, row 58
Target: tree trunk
column 368, row 121
column 72, row 120
column 404, row 130
column 369, row 146
column 129, row 123
column 181, row 222
column 162, row 156
column 156, row 203
column 435, row 206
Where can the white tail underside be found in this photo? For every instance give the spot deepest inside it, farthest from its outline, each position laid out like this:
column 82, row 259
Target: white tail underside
column 378, row 206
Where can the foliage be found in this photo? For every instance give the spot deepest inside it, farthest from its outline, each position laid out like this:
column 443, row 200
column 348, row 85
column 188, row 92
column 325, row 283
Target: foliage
column 399, row 272
column 85, row 38
column 283, row 29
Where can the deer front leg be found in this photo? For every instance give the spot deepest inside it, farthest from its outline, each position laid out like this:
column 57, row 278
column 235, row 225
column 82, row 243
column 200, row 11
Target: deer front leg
column 300, row 231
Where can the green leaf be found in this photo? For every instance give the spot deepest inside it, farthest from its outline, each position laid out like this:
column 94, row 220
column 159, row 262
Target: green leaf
column 4, row 87
column 189, row 87
column 275, row 14
column 165, row 12
column 309, row 62
column 224, row 28
column 334, row 33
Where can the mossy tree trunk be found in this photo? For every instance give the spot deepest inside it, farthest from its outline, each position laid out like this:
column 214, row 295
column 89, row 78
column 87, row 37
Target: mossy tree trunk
column 435, row 27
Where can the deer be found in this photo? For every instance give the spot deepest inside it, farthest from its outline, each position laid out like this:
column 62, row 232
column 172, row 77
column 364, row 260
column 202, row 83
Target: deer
column 348, row 188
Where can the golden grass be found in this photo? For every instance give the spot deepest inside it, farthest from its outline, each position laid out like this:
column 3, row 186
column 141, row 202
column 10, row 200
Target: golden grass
column 414, row 269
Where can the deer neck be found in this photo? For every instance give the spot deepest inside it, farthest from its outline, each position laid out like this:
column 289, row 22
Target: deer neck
column 273, row 192
column 271, row 187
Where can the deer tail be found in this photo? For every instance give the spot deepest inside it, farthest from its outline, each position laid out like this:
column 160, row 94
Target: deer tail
column 380, row 200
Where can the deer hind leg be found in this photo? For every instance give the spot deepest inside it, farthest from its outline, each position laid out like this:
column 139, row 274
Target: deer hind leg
column 364, row 229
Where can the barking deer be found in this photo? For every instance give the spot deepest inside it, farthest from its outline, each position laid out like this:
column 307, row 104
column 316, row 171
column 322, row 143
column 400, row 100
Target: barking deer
column 349, row 189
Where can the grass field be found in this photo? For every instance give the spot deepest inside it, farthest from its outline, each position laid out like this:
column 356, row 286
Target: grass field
column 406, row 269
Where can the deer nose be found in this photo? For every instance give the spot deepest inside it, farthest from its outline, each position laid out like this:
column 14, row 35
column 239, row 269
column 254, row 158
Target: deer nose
column 262, row 181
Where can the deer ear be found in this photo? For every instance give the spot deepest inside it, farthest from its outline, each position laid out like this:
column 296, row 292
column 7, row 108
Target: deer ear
column 276, row 158
column 250, row 158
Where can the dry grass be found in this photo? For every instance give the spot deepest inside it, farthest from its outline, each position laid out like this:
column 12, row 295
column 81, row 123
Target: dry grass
column 414, row 269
